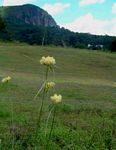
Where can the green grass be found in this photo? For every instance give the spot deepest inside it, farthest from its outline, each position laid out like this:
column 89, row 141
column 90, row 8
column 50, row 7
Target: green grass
column 86, row 79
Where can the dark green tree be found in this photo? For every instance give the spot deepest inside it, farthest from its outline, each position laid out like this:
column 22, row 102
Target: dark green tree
column 113, row 46
column 2, row 24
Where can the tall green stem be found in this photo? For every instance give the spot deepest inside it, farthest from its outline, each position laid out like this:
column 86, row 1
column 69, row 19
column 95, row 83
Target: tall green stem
column 42, row 104
column 53, row 119
column 52, row 125
column 47, row 121
column 41, row 108
column 46, row 76
column 12, row 119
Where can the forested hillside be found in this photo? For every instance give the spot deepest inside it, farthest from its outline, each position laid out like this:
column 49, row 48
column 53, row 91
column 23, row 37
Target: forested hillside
column 33, row 25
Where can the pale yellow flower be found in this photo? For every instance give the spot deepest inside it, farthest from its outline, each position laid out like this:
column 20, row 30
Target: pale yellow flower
column 6, row 79
column 47, row 61
column 56, row 98
column 50, row 85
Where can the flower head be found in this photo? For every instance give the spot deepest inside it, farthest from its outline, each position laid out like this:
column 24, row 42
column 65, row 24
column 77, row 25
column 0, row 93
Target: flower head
column 6, row 79
column 50, row 85
column 56, row 98
column 47, row 61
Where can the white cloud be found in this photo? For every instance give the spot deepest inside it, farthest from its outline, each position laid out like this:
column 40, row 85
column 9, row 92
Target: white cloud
column 114, row 8
column 55, row 8
column 15, row 2
column 89, row 2
column 89, row 24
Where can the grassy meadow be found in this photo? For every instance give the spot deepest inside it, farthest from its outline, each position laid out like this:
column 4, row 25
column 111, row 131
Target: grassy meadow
column 86, row 118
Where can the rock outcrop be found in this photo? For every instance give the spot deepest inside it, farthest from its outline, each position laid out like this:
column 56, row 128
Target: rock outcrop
column 27, row 14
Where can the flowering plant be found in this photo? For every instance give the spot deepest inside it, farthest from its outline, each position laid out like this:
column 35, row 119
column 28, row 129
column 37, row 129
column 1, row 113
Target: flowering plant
column 49, row 62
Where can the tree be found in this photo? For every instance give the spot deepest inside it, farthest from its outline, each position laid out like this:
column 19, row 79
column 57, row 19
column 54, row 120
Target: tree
column 2, row 24
column 113, row 46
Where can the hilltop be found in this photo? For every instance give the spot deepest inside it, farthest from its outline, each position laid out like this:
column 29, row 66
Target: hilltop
column 27, row 14
column 31, row 24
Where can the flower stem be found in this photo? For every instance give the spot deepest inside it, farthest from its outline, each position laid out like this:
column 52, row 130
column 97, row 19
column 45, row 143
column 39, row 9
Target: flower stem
column 42, row 104
column 12, row 122
column 46, row 75
column 47, row 121
column 41, row 108
column 53, row 119
column 52, row 125
column 41, row 88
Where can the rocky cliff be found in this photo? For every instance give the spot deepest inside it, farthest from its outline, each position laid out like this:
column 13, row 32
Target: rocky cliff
column 27, row 14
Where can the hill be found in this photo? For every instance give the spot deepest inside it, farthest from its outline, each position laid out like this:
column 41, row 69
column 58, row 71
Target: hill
column 86, row 79
column 27, row 14
column 31, row 24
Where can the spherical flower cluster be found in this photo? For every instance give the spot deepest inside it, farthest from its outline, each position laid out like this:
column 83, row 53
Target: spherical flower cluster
column 49, row 85
column 6, row 79
column 47, row 61
column 56, row 98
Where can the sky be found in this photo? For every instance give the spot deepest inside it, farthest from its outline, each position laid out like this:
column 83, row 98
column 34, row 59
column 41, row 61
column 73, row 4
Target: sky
column 87, row 16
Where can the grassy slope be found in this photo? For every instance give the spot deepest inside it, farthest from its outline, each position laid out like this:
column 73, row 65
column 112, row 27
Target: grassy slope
column 86, row 79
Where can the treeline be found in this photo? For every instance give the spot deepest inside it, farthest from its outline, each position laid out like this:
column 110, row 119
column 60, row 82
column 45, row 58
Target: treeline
column 53, row 36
